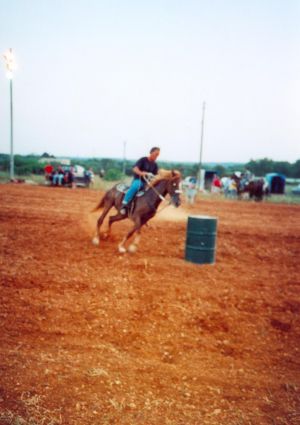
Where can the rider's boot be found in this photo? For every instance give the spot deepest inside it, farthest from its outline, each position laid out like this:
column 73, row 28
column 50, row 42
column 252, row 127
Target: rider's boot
column 124, row 209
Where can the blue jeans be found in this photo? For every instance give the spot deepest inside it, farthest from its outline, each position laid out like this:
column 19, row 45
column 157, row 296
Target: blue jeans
column 136, row 185
column 57, row 178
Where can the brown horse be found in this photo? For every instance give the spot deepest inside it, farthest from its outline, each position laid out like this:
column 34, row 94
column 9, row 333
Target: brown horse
column 142, row 209
column 255, row 188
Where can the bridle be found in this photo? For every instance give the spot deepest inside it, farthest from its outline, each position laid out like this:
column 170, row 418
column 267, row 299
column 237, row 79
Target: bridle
column 162, row 198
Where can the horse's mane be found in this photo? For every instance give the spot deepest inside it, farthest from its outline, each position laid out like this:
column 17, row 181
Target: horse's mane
column 165, row 175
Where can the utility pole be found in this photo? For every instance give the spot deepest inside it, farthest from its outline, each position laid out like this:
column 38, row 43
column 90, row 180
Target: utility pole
column 10, row 65
column 124, row 157
column 12, row 164
column 201, row 147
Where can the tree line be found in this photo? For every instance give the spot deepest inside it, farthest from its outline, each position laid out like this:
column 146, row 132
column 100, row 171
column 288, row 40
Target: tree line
column 114, row 168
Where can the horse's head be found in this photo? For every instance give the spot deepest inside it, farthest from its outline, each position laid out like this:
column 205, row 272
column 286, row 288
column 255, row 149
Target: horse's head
column 168, row 182
column 173, row 188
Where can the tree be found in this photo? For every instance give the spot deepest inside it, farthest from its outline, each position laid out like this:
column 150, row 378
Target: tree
column 221, row 171
column 283, row 167
column 113, row 174
column 261, row 166
column 295, row 172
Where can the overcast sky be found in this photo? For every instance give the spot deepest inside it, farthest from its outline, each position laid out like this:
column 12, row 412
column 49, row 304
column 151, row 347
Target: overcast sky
column 93, row 74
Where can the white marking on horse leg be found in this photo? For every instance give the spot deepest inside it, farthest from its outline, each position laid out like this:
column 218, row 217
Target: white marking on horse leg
column 96, row 240
column 122, row 249
column 133, row 247
column 121, row 246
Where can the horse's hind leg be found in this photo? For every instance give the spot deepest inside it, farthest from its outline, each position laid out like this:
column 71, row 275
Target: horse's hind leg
column 96, row 238
column 114, row 218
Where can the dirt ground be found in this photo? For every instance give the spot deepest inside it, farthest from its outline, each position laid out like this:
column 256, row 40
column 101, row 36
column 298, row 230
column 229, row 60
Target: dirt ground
column 91, row 336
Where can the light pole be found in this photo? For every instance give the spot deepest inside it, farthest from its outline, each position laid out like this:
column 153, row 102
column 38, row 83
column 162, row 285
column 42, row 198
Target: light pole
column 10, row 65
column 124, row 157
column 201, row 146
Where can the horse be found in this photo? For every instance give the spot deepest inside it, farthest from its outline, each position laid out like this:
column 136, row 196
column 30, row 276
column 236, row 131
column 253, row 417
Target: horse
column 255, row 188
column 142, row 209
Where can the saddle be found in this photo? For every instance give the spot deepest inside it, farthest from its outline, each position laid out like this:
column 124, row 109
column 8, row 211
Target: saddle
column 123, row 188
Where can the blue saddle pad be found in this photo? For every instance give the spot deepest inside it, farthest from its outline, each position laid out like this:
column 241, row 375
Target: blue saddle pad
column 122, row 187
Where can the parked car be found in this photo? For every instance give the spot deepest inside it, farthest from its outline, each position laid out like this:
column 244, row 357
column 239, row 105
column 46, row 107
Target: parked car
column 81, row 176
column 296, row 190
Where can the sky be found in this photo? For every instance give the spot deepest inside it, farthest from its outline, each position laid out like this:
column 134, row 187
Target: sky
column 94, row 74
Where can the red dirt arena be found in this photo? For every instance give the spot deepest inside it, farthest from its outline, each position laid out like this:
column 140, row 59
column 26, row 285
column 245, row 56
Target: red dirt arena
column 93, row 337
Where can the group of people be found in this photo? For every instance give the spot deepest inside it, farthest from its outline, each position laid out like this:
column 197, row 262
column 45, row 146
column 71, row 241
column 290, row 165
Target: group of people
column 65, row 176
column 235, row 183
column 228, row 185
column 59, row 176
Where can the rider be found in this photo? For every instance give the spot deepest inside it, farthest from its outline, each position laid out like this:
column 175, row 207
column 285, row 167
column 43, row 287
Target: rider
column 246, row 177
column 143, row 167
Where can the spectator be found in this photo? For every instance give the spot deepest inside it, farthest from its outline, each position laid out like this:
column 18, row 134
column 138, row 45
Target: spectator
column 246, row 178
column 48, row 170
column 191, row 190
column 232, row 188
column 71, row 177
column 225, row 182
column 216, row 184
column 58, row 176
column 89, row 176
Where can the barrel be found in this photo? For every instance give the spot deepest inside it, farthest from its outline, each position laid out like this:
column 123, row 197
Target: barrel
column 201, row 239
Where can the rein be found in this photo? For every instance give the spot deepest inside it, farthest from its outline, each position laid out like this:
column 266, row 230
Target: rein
column 148, row 181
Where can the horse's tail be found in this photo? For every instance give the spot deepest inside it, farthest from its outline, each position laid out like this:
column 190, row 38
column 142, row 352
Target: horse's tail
column 100, row 205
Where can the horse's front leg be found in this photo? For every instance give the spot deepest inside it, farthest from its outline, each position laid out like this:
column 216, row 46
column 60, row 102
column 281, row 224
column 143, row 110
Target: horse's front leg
column 133, row 246
column 96, row 238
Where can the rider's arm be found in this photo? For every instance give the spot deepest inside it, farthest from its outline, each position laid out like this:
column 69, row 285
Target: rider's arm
column 139, row 172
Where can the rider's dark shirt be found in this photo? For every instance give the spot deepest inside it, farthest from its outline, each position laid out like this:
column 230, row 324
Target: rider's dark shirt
column 144, row 164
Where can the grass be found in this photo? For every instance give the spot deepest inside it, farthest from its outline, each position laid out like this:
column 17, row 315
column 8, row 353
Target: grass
column 4, row 178
column 287, row 198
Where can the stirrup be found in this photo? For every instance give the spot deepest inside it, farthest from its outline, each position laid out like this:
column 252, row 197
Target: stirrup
column 123, row 210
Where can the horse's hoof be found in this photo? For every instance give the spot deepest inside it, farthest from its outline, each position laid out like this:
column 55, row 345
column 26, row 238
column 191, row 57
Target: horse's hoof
column 132, row 248
column 122, row 250
column 96, row 241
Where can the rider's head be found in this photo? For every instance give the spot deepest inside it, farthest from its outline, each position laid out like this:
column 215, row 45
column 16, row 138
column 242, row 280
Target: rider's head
column 154, row 152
